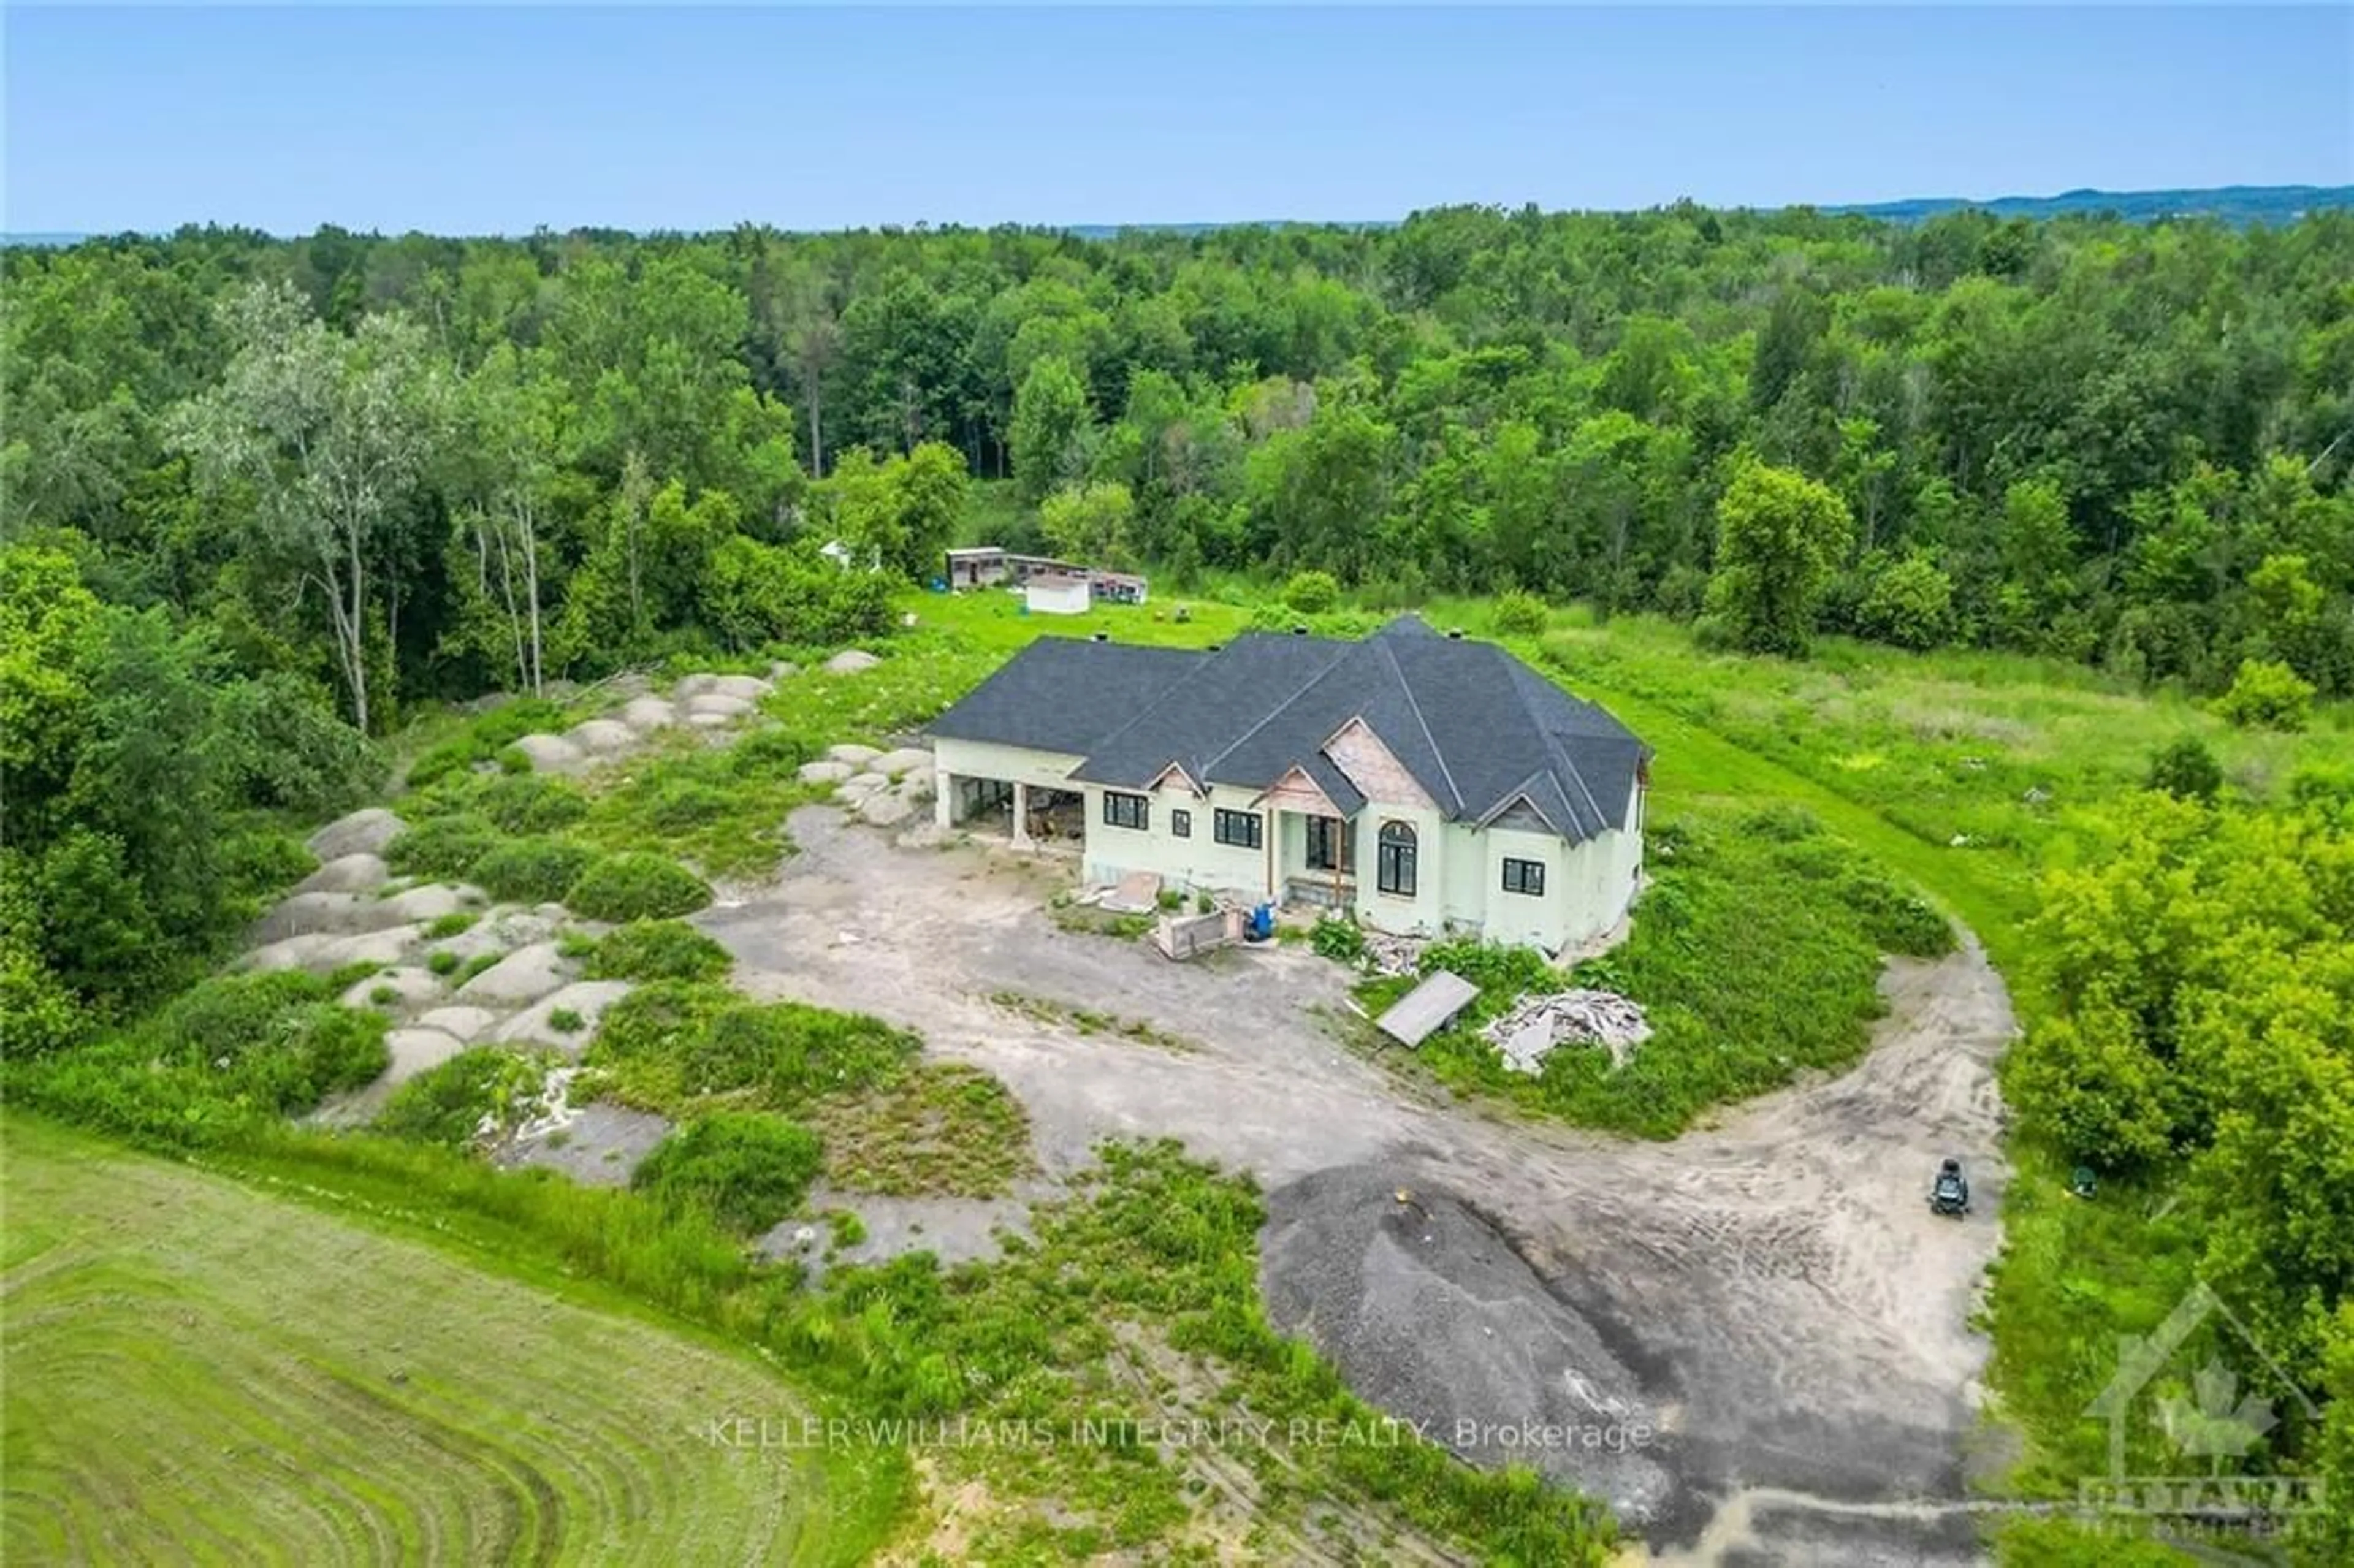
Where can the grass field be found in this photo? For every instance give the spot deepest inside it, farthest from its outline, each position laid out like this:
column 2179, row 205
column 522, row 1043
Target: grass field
column 197, row 1372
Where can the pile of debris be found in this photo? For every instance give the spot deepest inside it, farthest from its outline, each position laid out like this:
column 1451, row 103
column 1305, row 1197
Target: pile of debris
column 1387, row 955
column 1537, row 1023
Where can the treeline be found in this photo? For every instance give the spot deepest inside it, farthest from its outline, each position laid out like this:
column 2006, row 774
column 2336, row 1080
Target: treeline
column 2116, row 443
column 2197, row 1047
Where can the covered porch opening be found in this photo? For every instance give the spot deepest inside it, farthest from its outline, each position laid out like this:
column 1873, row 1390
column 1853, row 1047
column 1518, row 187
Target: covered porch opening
column 1025, row 815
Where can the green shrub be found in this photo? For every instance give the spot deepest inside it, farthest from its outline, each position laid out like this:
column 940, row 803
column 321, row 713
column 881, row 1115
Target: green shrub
column 528, row 803
column 679, row 804
column 636, row 886
column 447, row 848
column 345, row 976
column 1499, row 971
column 565, row 1021
column 443, row 963
column 1337, row 939
column 658, row 951
column 672, row 1041
column 657, row 1021
column 1170, row 899
column 1312, row 593
column 533, row 870
column 260, row 863
column 456, row 923
column 1782, row 824
column 794, row 1053
column 2267, row 694
column 1521, row 615
column 384, row 996
column 1895, row 919
column 448, row 1104
column 231, row 1051
column 1909, row 603
column 2324, row 786
column 768, row 753
column 848, row 1229
column 476, row 964
column 484, row 738
column 748, row 1171
column 281, row 747
column 2187, row 771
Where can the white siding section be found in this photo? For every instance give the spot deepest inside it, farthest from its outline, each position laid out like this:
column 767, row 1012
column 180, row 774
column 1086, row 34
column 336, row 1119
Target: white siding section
column 1459, row 868
column 1538, row 921
column 1194, row 863
column 1014, row 764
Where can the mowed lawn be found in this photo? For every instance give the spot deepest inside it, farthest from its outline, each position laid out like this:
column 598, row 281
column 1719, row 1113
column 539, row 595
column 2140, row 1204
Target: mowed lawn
column 198, row 1372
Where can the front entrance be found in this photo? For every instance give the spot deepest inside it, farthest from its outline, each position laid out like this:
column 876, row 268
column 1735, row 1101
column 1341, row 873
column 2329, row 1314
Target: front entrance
column 1331, row 845
column 1330, row 879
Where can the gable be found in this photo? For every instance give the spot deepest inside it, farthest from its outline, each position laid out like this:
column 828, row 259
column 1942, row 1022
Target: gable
column 1294, row 791
column 1175, row 774
column 1522, row 817
column 1373, row 769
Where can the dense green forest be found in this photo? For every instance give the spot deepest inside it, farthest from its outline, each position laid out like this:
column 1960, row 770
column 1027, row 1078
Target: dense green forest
column 417, row 467
column 255, row 487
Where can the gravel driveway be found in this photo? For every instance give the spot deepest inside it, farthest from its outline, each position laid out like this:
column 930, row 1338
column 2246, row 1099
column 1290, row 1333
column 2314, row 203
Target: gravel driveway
column 1792, row 1320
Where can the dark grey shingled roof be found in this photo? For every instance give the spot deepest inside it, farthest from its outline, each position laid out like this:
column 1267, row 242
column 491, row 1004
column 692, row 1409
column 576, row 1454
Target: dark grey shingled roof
column 1061, row 693
column 1478, row 729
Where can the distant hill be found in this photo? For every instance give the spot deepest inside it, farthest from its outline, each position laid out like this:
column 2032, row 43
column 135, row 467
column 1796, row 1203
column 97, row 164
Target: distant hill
column 2231, row 204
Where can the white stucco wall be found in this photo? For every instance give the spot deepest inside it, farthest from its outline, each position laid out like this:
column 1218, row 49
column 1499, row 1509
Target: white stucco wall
column 1460, row 880
column 1194, row 863
column 1015, row 764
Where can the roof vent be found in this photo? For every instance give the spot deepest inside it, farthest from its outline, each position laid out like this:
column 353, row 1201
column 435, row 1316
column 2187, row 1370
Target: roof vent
column 1454, row 635
column 1299, row 631
column 1103, row 636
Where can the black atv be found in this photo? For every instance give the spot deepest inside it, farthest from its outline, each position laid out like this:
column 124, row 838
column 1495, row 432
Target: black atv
column 1950, row 1193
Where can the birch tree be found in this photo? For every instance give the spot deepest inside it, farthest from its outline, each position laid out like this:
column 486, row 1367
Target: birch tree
column 512, row 417
column 330, row 436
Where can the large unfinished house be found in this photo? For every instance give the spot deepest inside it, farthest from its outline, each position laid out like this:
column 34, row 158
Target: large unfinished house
column 1423, row 783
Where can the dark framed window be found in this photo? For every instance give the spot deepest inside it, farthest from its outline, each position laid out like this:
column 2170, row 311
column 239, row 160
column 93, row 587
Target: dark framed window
column 1525, row 876
column 1396, row 871
column 1180, row 822
column 1241, row 829
column 1331, row 844
column 1127, row 810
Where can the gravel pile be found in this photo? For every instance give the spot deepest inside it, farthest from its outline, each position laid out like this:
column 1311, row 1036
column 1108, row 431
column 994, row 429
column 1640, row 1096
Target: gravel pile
column 1432, row 1317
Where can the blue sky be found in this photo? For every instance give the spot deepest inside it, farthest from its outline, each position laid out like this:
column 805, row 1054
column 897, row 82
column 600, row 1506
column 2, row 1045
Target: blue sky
column 476, row 120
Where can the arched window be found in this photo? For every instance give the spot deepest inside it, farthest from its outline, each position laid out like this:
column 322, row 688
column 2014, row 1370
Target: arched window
column 1396, row 870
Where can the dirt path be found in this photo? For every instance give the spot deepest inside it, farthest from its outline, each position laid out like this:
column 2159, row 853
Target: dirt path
column 1797, row 1320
